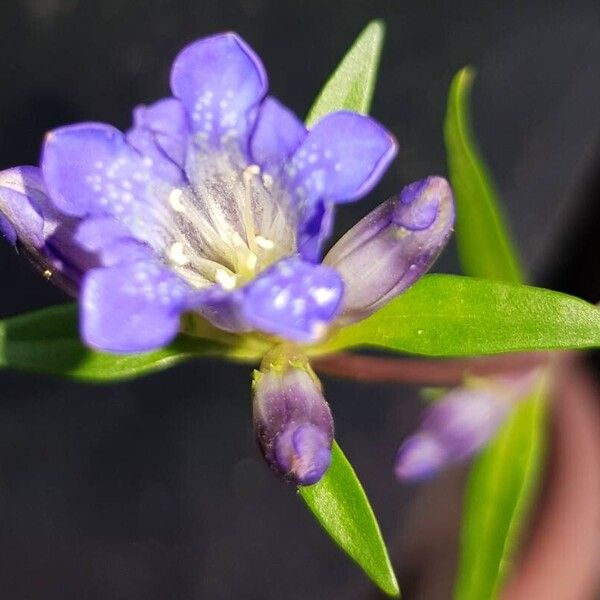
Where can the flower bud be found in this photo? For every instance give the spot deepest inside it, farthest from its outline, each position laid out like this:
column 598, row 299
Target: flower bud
column 393, row 246
column 292, row 420
column 453, row 429
column 29, row 221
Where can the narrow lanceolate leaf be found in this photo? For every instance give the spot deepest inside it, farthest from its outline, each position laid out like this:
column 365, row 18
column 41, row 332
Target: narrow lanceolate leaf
column 340, row 505
column 503, row 480
column 47, row 341
column 484, row 246
column 497, row 499
column 451, row 315
column 352, row 84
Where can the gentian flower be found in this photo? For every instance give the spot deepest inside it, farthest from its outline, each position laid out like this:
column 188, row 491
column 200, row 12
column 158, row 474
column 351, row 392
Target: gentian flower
column 217, row 201
column 217, row 204
column 460, row 424
column 292, row 420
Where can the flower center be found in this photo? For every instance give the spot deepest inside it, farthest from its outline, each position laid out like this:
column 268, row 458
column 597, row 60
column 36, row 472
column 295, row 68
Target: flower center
column 230, row 223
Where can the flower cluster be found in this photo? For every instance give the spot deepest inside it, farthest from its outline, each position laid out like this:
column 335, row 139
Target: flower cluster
column 218, row 202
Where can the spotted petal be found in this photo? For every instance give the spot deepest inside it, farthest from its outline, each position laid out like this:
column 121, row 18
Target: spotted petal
column 110, row 241
column 294, row 299
column 219, row 80
column 161, row 129
column 341, row 159
column 85, row 167
column 132, row 308
column 96, row 233
column 223, row 308
column 90, row 169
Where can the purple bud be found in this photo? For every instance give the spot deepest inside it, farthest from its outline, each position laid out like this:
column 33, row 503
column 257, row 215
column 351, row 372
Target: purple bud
column 292, row 420
column 453, row 429
column 393, row 246
column 29, row 221
column 419, row 457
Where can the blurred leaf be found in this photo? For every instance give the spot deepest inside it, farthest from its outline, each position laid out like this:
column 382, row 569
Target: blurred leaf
column 341, row 506
column 484, row 245
column 497, row 499
column 47, row 341
column 451, row 315
column 352, row 84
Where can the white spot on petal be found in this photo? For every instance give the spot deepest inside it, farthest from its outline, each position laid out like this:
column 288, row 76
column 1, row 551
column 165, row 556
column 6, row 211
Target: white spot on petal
column 323, row 295
column 281, row 300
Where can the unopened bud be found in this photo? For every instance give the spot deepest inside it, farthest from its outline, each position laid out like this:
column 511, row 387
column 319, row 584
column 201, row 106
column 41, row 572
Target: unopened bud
column 393, row 246
column 30, row 222
column 453, row 429
column 292, row 420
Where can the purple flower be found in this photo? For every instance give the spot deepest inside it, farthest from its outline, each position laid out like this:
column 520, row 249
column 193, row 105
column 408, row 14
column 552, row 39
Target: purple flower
column 218, row 202
column 292, row 420
column 460, row 424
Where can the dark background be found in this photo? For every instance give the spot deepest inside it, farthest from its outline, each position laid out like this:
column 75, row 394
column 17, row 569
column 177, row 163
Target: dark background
column 154, row 489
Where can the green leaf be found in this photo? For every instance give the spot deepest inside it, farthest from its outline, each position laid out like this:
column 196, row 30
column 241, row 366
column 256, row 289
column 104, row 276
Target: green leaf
column 352, row 84
column 504, row 478
column 47, row 341
column 341, row 506
column 484, row 245
column 498, row 496
column 451, row 315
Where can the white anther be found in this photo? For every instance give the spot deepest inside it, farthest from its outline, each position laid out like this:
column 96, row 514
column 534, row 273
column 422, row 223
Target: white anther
column 226, row 280
column 175, row 200
column 264, row 243
column 250, row 171
column 177, row 254
column 267, row 181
